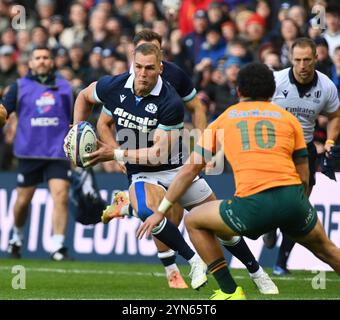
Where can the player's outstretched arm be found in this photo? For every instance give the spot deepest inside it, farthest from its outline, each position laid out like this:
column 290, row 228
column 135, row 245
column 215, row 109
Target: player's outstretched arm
column 197, row 109
column 3, row 115
column 333, row 129
column 83, row 104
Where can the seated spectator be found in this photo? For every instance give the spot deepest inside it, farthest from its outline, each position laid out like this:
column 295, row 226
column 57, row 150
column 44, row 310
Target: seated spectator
column 325, row 63
column 336, row 69
column 214, row 47
column 222, row 89
column 8, row 69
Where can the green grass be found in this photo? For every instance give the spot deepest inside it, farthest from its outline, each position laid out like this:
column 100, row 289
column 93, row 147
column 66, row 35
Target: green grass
column 96, row 280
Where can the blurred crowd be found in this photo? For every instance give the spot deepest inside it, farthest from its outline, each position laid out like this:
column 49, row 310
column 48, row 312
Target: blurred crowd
column 211, row 40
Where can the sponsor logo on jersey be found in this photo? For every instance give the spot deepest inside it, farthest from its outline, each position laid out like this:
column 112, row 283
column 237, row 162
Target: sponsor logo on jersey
column 128, row 120
column 300, row 111
column 151, row 107
column 285, row 93
column 122, row 97
column 45, row 102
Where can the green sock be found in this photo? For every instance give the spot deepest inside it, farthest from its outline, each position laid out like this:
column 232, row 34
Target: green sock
column 222, row 275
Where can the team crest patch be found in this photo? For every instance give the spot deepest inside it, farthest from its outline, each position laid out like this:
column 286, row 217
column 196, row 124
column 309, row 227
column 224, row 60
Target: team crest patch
column 151, row 107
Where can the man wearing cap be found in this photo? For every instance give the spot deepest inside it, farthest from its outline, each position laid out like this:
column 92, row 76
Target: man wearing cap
column 43, row 104
column 193, row 41
column 8, row 71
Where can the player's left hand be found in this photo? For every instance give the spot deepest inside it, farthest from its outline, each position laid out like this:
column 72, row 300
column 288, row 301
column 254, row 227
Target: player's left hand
column 104, row 152
column 149, row 224
column 328, row 148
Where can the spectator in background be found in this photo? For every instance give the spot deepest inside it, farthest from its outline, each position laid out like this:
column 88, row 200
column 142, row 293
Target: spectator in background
column 272, row 60
column 39, row 36
column 193, row 41
column 55, row 29
column 229, row 31
column 255, row 32
column 22, row 66
column 61, row 58
column 95, row 70
column 79, row 64
column 222, row 90
column 120, row 66
column 298, row 14
column 8, row 69
column 336, row 69
column 5, row 7
column 240, row 19
column 23, row 43
column 263, row 9
column 324, row 62
column 77, row 32
column 45, row 10
column 187, row 11
column 289, row 32
column 114, row 28
column 214, row 47
column 8, row 37
column 150, row 14
column 43, row 104
column 98, row 36
column 238, row 48
column 332, row 32
column 108, row 60
column 216, row 14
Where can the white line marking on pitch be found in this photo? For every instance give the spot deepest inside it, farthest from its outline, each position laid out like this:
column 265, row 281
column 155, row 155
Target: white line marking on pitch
column 143, row 274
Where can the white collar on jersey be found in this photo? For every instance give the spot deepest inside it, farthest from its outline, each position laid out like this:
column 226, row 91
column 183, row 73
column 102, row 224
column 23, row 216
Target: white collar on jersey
column 154, row 92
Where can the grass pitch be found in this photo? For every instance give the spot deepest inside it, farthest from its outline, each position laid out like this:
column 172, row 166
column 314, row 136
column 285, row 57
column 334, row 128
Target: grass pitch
column 117, row 281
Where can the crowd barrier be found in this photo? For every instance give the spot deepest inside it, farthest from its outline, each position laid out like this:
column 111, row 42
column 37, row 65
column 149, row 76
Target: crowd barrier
column 117, row 241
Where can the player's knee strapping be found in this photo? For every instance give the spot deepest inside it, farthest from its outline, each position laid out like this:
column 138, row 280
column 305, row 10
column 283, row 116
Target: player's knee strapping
column 143, row 211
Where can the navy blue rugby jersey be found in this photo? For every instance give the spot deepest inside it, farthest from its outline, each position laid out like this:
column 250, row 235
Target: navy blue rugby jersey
column 179, row 80
column 136, row 118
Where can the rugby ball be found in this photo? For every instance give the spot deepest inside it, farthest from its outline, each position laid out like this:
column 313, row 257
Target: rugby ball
column 81, row 139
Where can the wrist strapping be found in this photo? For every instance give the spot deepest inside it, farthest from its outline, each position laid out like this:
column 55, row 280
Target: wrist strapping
column 164, row 206
column 330, row 141
column 118, row 155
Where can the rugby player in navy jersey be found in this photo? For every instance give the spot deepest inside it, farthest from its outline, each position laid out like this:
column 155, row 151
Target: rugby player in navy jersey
column 147, row 114
column 184, row 87
column 237, row 246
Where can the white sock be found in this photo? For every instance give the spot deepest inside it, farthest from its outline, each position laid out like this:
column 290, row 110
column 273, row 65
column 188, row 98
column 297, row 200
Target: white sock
column 171, row 268
column 58, row 241
column 18, row 234
column 257, row 273
column 194, row 259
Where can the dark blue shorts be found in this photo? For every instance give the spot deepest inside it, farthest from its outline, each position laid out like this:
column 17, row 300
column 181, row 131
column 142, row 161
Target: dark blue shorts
column 312, row 157
column 31, row 172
